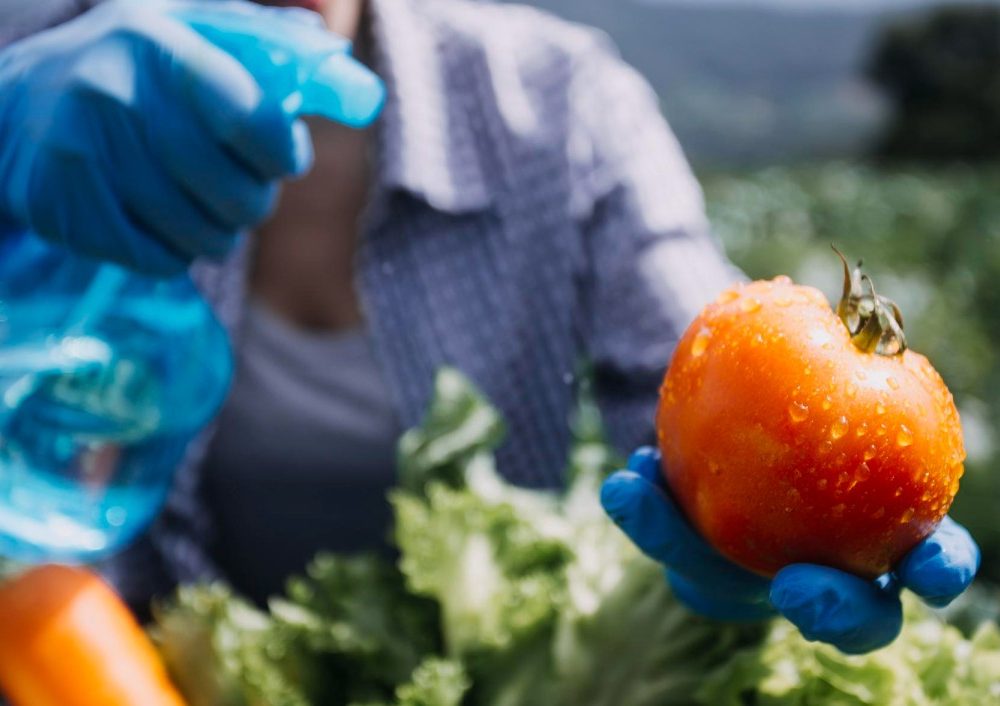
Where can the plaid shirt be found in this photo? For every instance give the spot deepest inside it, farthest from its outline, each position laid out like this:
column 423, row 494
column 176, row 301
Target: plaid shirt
column 531, row 209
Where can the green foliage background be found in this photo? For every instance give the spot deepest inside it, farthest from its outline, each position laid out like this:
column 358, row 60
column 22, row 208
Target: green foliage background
column 930, row 238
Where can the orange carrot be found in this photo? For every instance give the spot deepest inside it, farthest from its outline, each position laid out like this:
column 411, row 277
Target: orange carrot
column 66, row 639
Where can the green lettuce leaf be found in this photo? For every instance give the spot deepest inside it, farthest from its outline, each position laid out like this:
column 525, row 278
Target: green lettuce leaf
column 435, row 682
column 491, row 565
column 459, row 426
column 346, row 630
column 221, row 651
column 541, row 595
column 930, row 663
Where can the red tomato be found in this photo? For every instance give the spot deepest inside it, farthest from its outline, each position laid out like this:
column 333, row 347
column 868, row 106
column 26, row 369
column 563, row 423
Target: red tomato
column 785, row 442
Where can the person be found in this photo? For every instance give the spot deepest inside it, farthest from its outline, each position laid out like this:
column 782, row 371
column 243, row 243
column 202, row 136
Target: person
column 519, row 205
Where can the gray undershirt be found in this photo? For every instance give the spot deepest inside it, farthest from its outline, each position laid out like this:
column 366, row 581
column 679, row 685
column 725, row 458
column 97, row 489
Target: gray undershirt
column 303, row 455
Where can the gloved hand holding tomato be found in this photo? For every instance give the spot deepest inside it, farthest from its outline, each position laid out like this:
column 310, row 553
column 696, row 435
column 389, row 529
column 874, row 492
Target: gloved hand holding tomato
column 808, row 463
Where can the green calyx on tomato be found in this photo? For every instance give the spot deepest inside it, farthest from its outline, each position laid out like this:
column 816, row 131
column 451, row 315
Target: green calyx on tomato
column 874, row 321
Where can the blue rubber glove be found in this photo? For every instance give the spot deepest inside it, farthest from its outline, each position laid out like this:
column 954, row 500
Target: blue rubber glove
column 826, row 604
column 150, row 133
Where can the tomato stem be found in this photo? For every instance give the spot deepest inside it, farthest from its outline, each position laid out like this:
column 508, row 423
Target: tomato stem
column 874, row 321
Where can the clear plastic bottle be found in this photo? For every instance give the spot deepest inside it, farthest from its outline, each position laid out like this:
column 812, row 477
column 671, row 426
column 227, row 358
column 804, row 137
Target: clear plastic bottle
column 105, row 377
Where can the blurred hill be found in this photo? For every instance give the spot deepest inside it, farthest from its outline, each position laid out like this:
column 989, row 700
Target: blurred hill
column 751, row 82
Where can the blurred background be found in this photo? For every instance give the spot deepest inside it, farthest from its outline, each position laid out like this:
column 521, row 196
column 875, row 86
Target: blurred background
column 872, row 124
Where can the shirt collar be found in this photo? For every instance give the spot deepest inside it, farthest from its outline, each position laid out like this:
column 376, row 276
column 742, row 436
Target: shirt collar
column 427, row 144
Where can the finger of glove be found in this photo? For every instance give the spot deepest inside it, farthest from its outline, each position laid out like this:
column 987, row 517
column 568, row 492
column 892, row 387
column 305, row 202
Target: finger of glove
column 651, row 519
column 832, row 606
column 163, row 209
column 304, row 63
column 87, row 217
column 942, row 566
column 712, row 605
column 646, row 461
column 146, row 191
column 222, row 185
column 231, row 103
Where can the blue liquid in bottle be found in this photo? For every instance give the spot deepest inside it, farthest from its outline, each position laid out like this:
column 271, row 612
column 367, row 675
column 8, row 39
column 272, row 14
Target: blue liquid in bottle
column 105, row 378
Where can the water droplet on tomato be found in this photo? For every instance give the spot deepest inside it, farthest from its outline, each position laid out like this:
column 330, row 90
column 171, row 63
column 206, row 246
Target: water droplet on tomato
column 852, row 390
column 750, row 304
column 826, row 447
column 798, row 412
column 862, row 472
column 842, row 478
column 700, row 342
column 861, row 429
column 882, row 430
column 860, row 374
column 879, row 408
column 837, row 510
column 899, row 491
column 907, row 515
column 783, row 302
column 904, row 437
column 838, row 428
column 870, row 452
column 827, row 402
column 714, row 468
column 821, row 483
column 782, row 279
column 878, row 513
column 727, row 296
column 891, row 382
column 953, row 487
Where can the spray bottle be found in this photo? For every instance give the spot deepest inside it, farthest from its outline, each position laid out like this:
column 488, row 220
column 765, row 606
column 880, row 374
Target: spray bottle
column 106, row 375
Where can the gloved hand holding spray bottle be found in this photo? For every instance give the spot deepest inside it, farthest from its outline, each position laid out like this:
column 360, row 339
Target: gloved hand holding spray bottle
column 132, row 140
